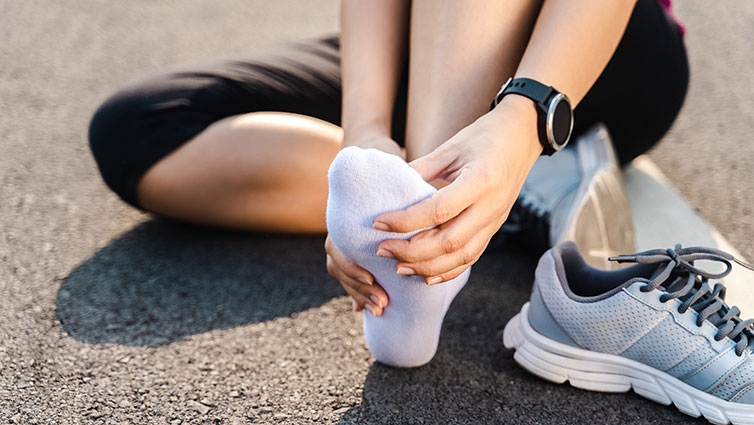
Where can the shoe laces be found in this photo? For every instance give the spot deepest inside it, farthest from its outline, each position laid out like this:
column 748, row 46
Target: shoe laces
column 690, row 284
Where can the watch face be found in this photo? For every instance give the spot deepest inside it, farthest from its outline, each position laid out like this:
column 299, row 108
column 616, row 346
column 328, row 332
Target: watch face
column 559, row 121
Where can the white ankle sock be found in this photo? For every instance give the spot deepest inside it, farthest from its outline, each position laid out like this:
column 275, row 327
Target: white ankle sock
column 365, row 183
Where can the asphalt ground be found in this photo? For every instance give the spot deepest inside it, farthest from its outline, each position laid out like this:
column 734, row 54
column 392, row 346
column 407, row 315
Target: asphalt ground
column 108, row 315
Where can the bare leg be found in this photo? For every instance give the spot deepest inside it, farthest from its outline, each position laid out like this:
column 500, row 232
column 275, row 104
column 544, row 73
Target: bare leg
column 259, row 171
column 461, row 52
column 268, row 171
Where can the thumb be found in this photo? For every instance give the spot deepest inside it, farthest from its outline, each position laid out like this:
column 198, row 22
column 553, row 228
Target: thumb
column 431, row 166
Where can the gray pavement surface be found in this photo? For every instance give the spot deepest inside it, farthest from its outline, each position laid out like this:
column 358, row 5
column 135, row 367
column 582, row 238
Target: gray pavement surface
column 108, row 315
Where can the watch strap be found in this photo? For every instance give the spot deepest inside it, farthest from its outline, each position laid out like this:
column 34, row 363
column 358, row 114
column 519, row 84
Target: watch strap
column 539, row 94
column 532, row 89
column 527, row 87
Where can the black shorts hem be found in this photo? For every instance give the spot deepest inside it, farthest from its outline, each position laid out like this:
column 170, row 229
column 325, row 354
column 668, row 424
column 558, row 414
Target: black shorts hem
column 113, row 128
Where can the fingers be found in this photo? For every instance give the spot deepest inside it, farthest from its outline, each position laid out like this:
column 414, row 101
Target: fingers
column 449, row 266
column 371, row 297
column 349, row 267
column 357, row 282
column 430, row 166
column 439, row 208
column 438, row 241
column 444, row 277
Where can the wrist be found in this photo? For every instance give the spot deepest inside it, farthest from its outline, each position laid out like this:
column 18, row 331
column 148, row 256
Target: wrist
column 517, row 116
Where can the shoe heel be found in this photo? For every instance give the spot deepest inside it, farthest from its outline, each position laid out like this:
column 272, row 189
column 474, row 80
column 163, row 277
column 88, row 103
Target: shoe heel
column 534, row 356
column 601, row 225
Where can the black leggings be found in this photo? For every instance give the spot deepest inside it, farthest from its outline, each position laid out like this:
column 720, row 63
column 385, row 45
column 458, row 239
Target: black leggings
column 637, row 96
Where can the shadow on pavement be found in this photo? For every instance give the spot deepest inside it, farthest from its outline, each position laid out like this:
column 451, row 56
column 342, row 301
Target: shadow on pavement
column 467, row 381
column 474, row 379
column 162, row 281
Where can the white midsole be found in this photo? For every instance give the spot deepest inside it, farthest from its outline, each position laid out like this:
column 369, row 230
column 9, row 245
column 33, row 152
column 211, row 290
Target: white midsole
column 590, row 370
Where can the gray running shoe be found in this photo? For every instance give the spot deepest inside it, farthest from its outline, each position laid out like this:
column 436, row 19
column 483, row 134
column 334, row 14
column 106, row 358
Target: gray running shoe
column 576, row 194
column 660, row 327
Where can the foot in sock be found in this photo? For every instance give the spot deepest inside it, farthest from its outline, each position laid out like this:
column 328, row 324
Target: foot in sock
column 365, row 183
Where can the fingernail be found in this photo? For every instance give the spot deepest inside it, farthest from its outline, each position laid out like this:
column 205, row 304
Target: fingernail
column 365, row 281
column 406, row 271
column 381, row 226
column 382, row 252
column 353, row 304
column 434, row 280
column 371, row 309
column 375, row 300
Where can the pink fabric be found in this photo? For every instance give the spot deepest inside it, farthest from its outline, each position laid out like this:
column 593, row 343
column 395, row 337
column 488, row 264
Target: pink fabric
column 666, row 5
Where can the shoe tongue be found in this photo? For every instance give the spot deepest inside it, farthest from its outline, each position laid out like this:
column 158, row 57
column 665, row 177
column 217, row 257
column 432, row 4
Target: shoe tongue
column 714, row 317
column 553, row 176
column 559, row 216
column 678, row 280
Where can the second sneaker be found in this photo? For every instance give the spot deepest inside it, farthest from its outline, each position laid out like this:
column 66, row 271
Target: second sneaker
column 658, row 327
column 576, row 194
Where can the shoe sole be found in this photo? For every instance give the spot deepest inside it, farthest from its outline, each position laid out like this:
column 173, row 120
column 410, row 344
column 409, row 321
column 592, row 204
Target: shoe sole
column 600, row 223
column 593, row 371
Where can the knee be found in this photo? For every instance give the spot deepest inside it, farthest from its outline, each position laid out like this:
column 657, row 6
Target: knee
column 113, row 133
column 109, row 122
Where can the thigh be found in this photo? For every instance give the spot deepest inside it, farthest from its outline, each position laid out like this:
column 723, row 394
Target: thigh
column 258, row 171
column 146, row 121
column 641, row 91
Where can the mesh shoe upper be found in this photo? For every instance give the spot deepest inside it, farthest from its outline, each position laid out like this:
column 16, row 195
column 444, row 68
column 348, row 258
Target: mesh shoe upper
column 614, row 313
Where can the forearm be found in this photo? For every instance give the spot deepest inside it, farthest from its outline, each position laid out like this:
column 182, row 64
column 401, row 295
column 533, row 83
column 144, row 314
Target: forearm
column 373, row 39
column 572, row 42
column 570, row 46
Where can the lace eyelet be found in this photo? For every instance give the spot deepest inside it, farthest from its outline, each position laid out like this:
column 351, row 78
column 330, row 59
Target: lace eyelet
column 644, row 289
column 698, row 324
column 663, row 299
column 718, row 337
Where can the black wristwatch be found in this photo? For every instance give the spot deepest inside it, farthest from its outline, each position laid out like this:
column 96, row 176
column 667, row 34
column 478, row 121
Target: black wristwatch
column 555, row 116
